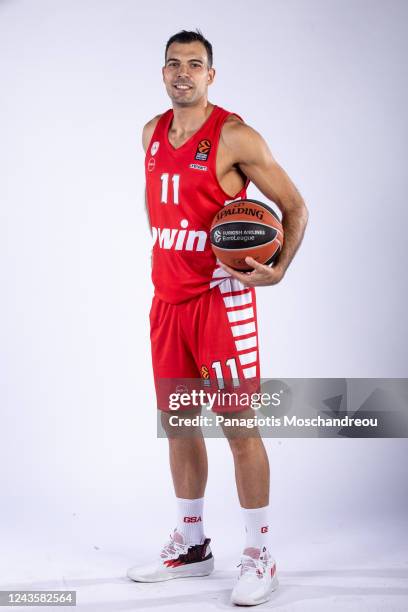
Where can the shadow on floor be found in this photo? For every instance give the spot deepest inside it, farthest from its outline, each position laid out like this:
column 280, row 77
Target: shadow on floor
column 214, row 591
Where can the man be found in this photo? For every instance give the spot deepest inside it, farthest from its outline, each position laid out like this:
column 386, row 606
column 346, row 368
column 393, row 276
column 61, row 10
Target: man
column 199, row 157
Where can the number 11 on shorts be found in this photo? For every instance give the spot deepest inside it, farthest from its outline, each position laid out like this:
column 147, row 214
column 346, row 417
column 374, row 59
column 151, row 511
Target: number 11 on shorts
column 232, row 365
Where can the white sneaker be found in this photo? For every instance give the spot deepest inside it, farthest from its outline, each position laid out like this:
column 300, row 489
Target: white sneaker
column 177, row 560
column 257, row 579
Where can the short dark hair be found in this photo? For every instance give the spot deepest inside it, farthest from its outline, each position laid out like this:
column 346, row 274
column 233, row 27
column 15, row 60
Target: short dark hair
column 186, row 36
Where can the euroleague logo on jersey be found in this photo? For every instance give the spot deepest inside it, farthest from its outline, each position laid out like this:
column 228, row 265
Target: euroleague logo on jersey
column 203, row 150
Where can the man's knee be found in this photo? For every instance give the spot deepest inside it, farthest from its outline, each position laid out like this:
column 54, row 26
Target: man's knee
column 245, row 445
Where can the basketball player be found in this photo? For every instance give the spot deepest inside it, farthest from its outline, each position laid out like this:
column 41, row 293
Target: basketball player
column 203, row 316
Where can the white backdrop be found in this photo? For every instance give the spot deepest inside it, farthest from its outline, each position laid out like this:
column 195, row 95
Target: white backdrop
column 325, row 84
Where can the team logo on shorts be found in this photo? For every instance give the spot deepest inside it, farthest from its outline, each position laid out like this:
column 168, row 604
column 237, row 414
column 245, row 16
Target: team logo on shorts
column 181, row 389
column 203, row 150
column 155, row 147
column 204, row 372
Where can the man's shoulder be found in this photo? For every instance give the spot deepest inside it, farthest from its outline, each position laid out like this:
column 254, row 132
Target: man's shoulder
column 148, row 130
column 153, row 122
column 235, row 131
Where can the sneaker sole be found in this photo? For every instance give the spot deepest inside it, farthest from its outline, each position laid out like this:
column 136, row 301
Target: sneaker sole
column 202, row 568
column 247, row 601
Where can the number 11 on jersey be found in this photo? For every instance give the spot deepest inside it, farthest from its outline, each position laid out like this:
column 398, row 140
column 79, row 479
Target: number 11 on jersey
column 165, row 187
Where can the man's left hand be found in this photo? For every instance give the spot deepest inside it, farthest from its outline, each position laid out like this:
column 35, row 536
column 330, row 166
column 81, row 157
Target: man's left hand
column 258, row 277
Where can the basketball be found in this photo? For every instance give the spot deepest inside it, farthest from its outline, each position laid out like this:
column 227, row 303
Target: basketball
column 246, row 228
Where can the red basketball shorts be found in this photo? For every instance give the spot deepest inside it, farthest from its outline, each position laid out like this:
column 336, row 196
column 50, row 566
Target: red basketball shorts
column 209, row 343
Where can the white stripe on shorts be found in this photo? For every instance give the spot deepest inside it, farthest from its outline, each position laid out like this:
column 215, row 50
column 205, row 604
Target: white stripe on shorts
column 238, row 300
column 220, row 273
column 246, row 358
column 240, row 315
column 231, row 284
column 246, row 343
column 249, row 372
column 242, row 330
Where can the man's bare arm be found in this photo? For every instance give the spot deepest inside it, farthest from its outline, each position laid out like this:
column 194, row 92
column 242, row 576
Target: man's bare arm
column 147, row 134
column 251, row 153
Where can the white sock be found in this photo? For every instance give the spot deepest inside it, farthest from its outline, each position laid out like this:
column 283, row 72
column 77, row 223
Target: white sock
column 190, row 519
column 256, row 521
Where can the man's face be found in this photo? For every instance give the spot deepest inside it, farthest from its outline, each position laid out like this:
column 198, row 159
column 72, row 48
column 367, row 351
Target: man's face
column 186, row 74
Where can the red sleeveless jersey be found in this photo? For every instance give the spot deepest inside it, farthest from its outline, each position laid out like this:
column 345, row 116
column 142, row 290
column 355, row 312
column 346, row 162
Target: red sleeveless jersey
column 183, row 196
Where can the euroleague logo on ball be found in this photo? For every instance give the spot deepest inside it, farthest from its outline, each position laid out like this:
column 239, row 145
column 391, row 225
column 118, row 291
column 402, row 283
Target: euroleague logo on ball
column 217, row 236
column 246, row 227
